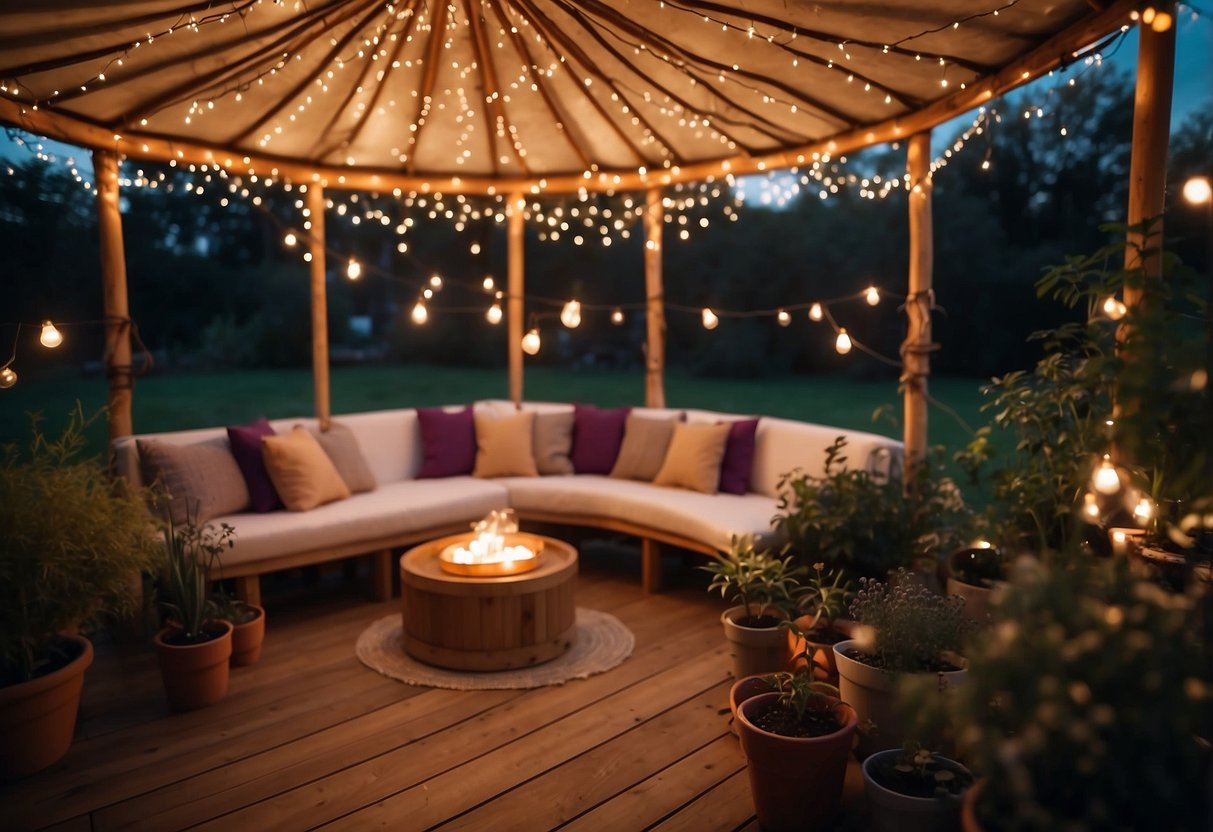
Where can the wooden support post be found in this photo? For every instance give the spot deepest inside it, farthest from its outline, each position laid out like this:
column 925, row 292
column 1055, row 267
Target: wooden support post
column 114, row 298
column 320, row 315
column 1148, row 157
column 381, row 575
column 650, row 565
column 516, row 211
column 248, row 589
column 916, row 362
column 654, row 378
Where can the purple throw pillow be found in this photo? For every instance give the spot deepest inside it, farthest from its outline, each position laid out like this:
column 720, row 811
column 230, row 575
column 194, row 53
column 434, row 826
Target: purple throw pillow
column 738, row 457
column 246, row 448
column 597, row 436
column 448, row 442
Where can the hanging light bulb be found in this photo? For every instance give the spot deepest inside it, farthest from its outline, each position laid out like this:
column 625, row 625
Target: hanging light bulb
column 489, row 284
column 843, row 342
column 710, row 321
column 420, row 313
column 427, row 293
column 530, row 342
column 50, row 336
column 353, row 269
column 617, row 317
column 1090, row 507
column 783, row 317
column 494, row 314
column 436, row 282
column 8, row 377
column 290, row 239
column 570, row 315
column 1144, row 510
column 815, row 312
column 1113, row 308
column 872, row 296
column 1106, row 479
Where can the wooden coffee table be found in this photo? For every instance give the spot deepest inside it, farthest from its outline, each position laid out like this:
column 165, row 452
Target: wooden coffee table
column 467, row 623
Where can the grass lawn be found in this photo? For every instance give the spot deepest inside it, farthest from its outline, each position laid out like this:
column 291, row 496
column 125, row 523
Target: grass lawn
column 190, row 400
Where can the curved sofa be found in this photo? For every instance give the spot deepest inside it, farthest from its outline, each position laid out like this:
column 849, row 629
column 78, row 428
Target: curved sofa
column 403, row 510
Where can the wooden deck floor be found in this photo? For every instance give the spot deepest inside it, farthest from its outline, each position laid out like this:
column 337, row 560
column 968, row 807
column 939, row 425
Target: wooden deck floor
column 310, row 738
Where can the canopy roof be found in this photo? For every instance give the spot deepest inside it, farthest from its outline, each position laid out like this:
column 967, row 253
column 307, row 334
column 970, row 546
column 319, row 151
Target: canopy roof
column 499, row 95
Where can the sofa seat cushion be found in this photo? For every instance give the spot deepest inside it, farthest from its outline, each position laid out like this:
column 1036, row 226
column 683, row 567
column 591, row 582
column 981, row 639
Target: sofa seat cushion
column 710, row 519
column 393, row 509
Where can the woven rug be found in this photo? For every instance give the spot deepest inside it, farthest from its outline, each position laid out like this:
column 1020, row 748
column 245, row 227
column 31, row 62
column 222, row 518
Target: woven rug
column 602, row 643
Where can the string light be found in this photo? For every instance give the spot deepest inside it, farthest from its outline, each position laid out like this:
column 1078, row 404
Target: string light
column 1197, row 191
column 1090, row 506
column 50, row 337
column 493, row 315
column 617, row 316
column 570, row 315
column 420, row 314
column 1106, row 479
column 8, row 377
column 531, row 342
column 1144, row 510
column 783, row 317
column 843, row 342
column 1114, row 308
column 815, row 312
column 488, row 283
column 353, row 269
column 710, row 321
column 436, row 282
column 290, row 239
column 872, row 296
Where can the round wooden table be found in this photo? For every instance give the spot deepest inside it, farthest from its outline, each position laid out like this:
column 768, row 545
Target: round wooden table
column 472, row 623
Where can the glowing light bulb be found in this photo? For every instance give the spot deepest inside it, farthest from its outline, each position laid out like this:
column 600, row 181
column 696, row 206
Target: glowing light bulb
column 353, row 269
column 50, row 336
column 783, row 317
column 531, row 343
column 570, row 315
column 420, row 313
column 493, row 316
column 436, row 282
column 1144, row 510
column 489, row 284
column 872, row 296
column 1162, row 22
column 617, row 317
column 843, row 342
column 1106, row 479
column 815, row 312
column 290, row 239
column 1114, row 309
column 710, row 321
column 8, row 377
column 1090, row 508
column 1197, row 190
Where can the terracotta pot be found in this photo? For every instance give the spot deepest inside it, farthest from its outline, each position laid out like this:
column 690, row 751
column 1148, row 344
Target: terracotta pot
column 38, row 717
column 754, row 650
column 968, row 808
column 247, row 639
column 871, row 692
column 742, row 690
column 977, row 600
column 796, row 782
column 820, row 653
column 195, row 675
column 892, row 811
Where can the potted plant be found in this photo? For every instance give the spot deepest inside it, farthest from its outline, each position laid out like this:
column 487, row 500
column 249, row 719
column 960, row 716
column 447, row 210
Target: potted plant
column 72, row 547
column 820, row 602
column 973, row 573
column 761, row 586
column 912, row 789
column 904, row 628
column 195, row 646
column 797, row 740
column 248, row 627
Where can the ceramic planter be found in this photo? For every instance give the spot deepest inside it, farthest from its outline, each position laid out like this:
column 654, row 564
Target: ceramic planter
column 754, row 650
column 796, row 782
column 247, row 639
column 871, row 692
column 977, row 599
column 820, row 652
column 195, row 675
column 38, row 717
column 892, row 811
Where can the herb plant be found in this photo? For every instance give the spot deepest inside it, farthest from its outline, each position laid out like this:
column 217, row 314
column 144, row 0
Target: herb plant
column 919, row 772
column 757, row 580
column 824, row 596
column 190, row 552
column 911, row 628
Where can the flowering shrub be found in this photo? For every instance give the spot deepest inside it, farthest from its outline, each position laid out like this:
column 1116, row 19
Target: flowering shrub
column 909, row 628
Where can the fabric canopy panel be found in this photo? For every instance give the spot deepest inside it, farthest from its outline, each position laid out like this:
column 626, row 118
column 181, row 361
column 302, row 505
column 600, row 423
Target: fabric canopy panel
column 504, row 90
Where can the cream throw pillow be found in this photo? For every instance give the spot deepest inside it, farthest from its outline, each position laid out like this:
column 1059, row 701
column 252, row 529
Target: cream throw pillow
column 553, row 442
column 505, row 446
column 693, row 460
column 645, row 441
column 301, row 471
column 201, row 480
column 342, row 448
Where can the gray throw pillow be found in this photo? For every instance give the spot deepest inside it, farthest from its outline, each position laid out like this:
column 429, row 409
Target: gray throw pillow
column 342, row 448
column 202, row 480
column 645, row 441
column 553, row 439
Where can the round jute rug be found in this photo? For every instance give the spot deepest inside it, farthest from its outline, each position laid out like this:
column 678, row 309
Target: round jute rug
column 602, row 643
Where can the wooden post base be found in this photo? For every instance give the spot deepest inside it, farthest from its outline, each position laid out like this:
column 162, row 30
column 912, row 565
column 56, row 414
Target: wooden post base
column 381, row 575
column 248, row 589
column 650, row 565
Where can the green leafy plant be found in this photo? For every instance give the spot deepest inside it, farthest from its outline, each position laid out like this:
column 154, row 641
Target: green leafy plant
column 232, row 609
column 190, row 551
column 72, row 545
column 754, row 578
column 824, row 596
column 908, row 627
column 865, row 523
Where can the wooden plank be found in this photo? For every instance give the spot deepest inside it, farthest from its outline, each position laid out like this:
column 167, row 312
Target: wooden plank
column 726, row 806
column 665, row 792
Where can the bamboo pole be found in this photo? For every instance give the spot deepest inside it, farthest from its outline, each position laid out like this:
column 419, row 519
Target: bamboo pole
column 320, row 318
column 916, row 362
column 516, row 210
column 654, row 379
column 118, row 367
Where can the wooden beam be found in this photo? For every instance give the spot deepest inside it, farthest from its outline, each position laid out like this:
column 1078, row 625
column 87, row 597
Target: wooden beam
column 516, row 211
column 320, row 320
column 1148, row 157
column 118, row 367
column 916, row 351
column 654, row 359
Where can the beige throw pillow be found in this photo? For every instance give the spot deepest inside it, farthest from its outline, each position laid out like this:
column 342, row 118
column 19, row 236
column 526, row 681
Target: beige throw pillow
column 303, row 475
column 202, row 480
column 645, row 441
column 505, row 446
column 553, row 442
column 342, row 448
column 693, row 460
